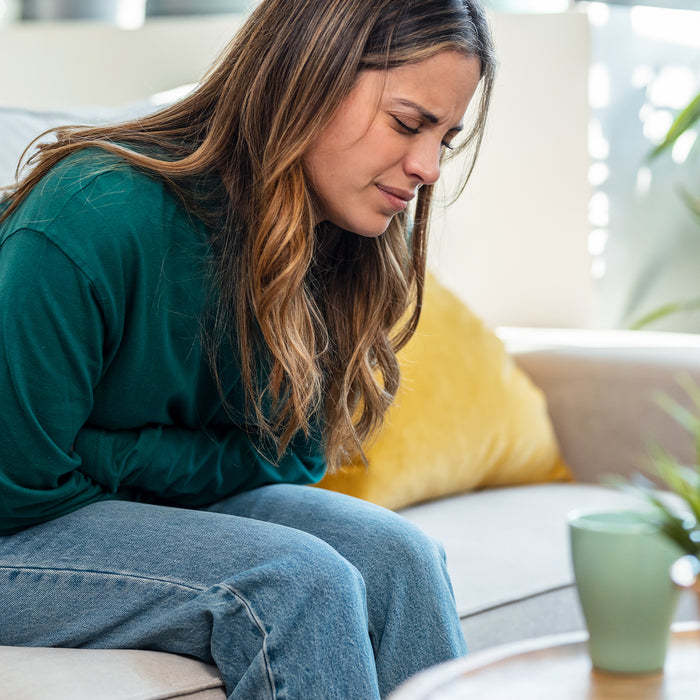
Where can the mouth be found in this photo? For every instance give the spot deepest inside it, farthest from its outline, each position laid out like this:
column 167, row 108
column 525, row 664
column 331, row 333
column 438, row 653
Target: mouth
column 397, row 198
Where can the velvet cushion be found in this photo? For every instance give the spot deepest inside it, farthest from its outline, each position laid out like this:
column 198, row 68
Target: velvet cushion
column 466, row 417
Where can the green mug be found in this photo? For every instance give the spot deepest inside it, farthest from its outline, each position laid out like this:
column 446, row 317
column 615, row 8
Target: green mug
column 621, row 564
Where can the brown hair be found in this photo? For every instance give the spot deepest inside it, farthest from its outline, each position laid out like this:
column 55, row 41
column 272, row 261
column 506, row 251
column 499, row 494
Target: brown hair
column 322, row 305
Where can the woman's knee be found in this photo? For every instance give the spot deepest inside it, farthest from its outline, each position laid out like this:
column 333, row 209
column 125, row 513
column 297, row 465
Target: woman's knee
column 395, row 543
column 318, row 575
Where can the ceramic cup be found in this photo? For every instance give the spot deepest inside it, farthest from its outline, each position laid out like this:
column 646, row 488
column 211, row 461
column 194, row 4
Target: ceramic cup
column 621, row 564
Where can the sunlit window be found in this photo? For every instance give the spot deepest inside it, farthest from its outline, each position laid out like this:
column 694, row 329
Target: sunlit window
column 645, row 69
column 676, row 26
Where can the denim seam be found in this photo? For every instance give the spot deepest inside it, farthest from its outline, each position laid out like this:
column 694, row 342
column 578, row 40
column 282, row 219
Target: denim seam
column 257, row 622
column 236, row 594
column 116, row 574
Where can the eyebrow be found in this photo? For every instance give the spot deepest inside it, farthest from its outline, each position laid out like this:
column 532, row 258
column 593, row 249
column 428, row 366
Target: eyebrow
column 428, row 116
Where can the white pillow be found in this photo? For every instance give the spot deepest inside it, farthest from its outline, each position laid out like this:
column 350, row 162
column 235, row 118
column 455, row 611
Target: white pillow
column 18, row 126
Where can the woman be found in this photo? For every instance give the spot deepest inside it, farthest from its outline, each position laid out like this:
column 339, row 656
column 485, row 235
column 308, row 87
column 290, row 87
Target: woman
column 199, row 316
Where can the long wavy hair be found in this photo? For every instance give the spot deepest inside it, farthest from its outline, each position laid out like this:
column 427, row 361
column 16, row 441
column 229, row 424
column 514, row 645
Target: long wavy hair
column 327, row 309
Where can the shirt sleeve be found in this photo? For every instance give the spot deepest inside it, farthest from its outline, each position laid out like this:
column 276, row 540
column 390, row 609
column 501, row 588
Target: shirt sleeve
column 192, row 467
column 51, row 337
column 52, row 462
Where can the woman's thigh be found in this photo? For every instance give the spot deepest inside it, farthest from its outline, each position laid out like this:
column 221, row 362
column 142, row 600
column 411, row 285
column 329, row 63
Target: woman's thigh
column 247, row 595
column 413, row 621
column 367, row 535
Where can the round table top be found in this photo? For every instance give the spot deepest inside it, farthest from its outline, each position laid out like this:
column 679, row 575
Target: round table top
column 553, row 668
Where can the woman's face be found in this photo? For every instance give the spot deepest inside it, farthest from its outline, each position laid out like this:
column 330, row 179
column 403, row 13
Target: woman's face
column 386, row 138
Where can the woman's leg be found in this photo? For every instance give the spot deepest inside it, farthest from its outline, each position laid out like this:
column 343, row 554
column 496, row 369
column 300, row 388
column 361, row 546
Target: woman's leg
column 413, row 621
column 280, row 612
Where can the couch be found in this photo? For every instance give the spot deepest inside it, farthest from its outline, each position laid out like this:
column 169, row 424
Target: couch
column 506, row 546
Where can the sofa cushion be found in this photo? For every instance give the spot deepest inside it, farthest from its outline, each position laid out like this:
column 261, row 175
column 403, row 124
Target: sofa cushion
column 33, row 673
column 465, row 417
column 19, row 126
column 508, row 557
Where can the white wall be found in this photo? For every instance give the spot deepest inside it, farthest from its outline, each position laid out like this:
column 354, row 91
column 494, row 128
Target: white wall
column 514, row 246
column 62, row 65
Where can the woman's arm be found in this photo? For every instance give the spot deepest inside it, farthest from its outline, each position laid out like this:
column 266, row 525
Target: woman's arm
column 51, row 337
column 52, row 345
column 216, row 462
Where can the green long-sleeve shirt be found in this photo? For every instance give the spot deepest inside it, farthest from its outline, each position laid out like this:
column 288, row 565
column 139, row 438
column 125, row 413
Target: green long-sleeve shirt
column 104, row 388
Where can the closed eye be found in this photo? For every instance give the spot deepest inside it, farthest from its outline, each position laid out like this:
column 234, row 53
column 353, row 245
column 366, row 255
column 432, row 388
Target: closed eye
column 406, row 127
column 411, row 130
column 449, row 138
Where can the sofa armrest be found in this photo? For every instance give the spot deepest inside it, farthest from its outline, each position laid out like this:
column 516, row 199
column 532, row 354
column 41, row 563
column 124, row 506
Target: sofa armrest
column 601, row 386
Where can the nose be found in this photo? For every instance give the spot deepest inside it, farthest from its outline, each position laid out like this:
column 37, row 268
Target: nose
column 423, row 161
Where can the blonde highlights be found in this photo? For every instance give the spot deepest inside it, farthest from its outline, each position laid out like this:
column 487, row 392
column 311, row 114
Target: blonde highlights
column 318, row 307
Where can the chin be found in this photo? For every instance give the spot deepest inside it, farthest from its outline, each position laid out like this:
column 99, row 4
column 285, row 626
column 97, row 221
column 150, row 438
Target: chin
column 367, row 229
column 369, row 234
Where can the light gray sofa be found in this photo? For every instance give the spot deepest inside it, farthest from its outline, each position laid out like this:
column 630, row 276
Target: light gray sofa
column 507, row 548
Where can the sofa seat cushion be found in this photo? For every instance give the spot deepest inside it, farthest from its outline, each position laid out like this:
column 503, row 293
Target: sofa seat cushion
column 32, row 673
column 508, row 556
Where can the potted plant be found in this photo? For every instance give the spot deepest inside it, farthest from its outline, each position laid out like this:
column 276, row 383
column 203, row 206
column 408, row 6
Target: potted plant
column 677, row 516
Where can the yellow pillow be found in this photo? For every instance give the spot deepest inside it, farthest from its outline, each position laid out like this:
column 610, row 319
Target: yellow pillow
column 465, row 417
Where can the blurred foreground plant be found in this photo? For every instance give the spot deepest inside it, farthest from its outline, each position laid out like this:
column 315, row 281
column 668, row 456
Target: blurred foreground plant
column 677, row 518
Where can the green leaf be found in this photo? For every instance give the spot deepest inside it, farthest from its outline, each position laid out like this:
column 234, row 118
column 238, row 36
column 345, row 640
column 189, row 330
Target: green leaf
column 679, row 413
column 693, row 392
column 691, row 202
column 691, row 389
column 682, row 123
column 669, row 522
column 664, row 311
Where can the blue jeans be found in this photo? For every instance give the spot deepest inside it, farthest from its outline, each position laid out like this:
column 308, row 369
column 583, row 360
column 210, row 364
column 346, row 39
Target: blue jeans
column 293, row 592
